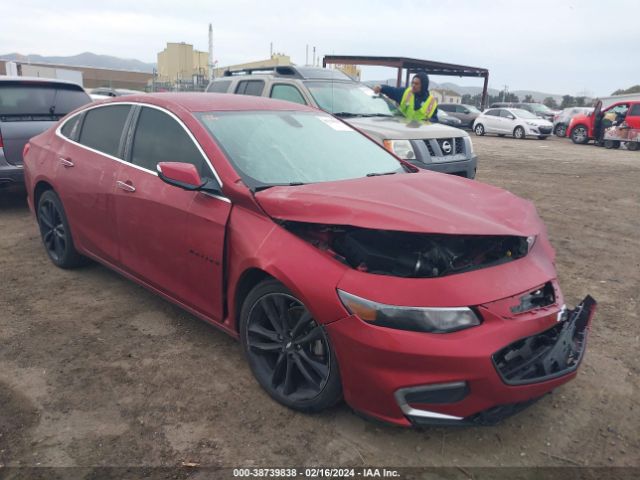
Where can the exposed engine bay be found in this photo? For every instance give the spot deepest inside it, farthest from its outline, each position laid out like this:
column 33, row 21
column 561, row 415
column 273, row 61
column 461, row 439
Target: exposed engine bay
column 411, row 255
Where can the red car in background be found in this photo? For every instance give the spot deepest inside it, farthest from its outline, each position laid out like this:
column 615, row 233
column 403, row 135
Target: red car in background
column 582, row 127
column 419, row 297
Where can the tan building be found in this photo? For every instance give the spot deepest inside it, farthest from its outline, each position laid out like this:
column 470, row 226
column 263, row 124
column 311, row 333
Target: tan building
column 179, row 62
column 446, row 95
column 352, row 70
column 276, row 60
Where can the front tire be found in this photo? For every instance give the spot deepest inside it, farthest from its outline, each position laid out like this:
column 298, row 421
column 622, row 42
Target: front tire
column 519, row 133
column 479, row 129
column 561, row 130
column 55, row 232
column 289, row 353
column 579, row 135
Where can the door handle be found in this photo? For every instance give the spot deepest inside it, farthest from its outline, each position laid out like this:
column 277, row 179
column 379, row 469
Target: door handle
column 127, row 187
column 66, row 162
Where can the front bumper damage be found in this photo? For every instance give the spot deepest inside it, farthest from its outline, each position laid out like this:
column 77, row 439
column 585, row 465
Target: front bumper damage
column 549, row 355
column 463, row 378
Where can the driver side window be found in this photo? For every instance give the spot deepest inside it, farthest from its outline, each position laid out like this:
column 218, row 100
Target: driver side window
column 159, row 138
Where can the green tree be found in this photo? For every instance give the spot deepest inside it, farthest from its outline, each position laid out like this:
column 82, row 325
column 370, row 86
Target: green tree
column 634, row 89
column 528, row 99
column 580, row 101
column 551, row 103
column 567, row 101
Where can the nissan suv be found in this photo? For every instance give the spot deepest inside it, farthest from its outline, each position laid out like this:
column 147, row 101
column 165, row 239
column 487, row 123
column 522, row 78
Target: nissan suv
column 432, row 146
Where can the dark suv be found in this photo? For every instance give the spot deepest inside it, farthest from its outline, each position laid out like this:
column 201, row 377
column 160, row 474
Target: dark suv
column 28, row 107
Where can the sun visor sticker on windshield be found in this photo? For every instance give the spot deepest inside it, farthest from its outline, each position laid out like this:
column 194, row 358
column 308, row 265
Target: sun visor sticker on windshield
column 335, row 124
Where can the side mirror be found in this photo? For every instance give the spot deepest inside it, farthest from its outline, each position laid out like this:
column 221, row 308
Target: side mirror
column 185, row 176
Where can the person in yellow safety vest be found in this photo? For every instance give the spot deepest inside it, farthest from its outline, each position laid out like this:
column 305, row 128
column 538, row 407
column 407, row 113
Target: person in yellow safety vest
column 414, row 102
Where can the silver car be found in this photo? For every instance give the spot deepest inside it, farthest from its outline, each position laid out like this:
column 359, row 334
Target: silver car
column 432, row 146
column 512, row 121
column 561, row 121
column 465, row 113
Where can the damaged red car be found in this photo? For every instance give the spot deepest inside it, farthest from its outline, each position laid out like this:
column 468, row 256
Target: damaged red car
column 418, row 297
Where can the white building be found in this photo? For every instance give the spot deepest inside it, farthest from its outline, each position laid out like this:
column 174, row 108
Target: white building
column 444, row 95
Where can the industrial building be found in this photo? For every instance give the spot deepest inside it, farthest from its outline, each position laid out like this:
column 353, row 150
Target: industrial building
column 181, row 63
column 88, row 77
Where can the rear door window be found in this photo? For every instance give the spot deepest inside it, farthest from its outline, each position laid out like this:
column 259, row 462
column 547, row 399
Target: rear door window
column 219, row 87
column 102, row 128
column 160, row 138
column 635, row 110
column 250, row 87
column 286, row 92
column 493, row 113
column 40, row 100
column 70, row 127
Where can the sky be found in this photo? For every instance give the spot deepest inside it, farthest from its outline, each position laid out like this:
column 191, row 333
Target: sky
column 573, row 47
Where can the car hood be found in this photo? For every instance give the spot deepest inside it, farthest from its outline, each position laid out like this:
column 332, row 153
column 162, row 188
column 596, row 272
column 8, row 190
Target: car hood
column 392, row 128
column 423, row 202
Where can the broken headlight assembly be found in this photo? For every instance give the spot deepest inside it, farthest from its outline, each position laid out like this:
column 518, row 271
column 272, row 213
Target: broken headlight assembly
column 402, row 148
column 415, row 319
column 412, row 255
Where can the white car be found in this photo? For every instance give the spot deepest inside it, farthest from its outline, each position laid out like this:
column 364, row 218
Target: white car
column 512, row 121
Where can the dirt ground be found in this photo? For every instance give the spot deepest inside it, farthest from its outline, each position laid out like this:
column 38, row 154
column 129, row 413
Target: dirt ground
column 96, row 371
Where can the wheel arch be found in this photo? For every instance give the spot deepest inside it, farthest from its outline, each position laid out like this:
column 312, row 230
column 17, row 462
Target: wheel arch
column 247, row 281
column 41, row 187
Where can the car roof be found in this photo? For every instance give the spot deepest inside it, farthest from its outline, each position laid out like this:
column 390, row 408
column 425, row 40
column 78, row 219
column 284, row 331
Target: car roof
column 207, row 102
column 37, row 80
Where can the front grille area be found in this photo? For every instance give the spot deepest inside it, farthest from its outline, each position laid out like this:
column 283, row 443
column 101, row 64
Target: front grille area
column 549, row 354
column 432, row 152
column 447, row 147
column 544, row 129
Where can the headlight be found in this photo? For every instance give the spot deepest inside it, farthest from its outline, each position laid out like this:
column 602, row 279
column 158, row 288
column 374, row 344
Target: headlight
column 469, row 143
column 533, row 124
column 416, row 319
column 401, row 148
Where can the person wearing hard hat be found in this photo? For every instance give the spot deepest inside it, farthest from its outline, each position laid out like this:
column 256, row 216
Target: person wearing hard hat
column 414, row 102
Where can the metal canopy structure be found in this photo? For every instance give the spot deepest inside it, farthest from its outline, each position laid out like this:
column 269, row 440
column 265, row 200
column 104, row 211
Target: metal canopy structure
column 413, row 65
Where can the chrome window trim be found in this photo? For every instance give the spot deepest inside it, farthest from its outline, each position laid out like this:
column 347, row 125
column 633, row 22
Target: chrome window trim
column 140, row 104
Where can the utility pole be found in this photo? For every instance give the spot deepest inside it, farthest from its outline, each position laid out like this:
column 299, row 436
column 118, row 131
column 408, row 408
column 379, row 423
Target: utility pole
column 314, row 56
column 505, row 93
column 210, row 52
column 306, row 56
column 271, row 50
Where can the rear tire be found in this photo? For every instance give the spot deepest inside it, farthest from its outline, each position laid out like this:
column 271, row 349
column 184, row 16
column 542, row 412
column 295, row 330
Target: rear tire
column 55, row 232
column 519, row 133
column 633, row 146
column 479, row 129
column 561, row 130
column 579, row 135
column 289, row 353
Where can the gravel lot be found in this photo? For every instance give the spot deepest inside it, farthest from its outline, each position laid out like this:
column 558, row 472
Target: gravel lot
column 96, row 371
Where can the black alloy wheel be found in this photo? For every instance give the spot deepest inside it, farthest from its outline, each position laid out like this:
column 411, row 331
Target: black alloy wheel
column 55, row 232
column 289, row 353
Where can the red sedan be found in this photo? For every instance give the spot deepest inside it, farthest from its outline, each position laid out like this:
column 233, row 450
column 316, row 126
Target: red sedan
column 418, row 297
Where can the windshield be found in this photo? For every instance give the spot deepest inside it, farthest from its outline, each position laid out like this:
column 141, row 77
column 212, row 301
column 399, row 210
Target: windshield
column 539, row 107
column 287, row 147
column 40, row 99
column 349, row 98
column 523, row 113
